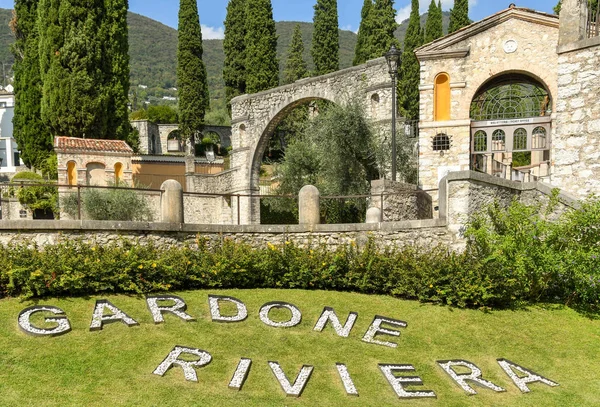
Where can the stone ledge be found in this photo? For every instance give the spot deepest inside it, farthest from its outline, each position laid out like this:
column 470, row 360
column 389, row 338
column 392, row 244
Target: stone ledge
column 579, row 45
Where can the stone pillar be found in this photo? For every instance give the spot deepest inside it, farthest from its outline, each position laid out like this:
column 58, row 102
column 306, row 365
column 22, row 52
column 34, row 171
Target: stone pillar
column 308, row 206
column 171, row 202
column 573, row 20
column 374, row 215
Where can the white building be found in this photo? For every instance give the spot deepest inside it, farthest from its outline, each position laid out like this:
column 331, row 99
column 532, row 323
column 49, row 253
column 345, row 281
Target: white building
column 9, row 152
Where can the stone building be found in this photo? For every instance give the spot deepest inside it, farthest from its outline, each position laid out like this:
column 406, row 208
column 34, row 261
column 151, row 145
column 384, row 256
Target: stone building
column 10, row 161
column 93, row 162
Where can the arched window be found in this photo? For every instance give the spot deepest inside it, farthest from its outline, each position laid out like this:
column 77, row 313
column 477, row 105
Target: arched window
column 374, row 104
column 441, row 142
column 539, row 138
column 480, row 141
column 118, row 173
column 498, row 140
column 520, row 139
column 174, row 141
column 441, row 97
column 71, row 173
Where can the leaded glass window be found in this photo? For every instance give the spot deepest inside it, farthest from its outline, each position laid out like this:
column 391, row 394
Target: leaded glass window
column 520, row 139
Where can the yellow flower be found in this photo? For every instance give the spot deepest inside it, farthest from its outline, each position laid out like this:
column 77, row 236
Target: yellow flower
column 189, row 262
column 288, row 242
column 430, row 285
column 153, row 265
column 93, row 249
column 141, row 266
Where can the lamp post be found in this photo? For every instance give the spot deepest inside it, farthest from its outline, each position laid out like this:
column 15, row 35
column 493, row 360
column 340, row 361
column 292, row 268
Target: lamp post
column 393, row 60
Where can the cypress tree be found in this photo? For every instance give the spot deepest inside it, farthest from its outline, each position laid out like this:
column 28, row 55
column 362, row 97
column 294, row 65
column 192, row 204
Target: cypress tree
column 434, row 27
column 383, row 26
column 262, row 67
column 408, row 86
column 33, row 138
column 117, row 58
column 325, row 42
column 191, row 72
column 459, row 16
column 234, row 46
column 364, row 32
column 295, row 66
column 73, row 68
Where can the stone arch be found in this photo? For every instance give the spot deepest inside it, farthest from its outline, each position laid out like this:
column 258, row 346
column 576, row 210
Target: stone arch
column 96, row 173
column 442, row 97
column 118, row 173
column 375, row 101
column 71, row 173
column 174, row 143
column 267, row 132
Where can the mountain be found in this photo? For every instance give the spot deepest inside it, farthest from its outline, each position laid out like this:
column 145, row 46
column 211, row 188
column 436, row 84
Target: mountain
column 153, row 52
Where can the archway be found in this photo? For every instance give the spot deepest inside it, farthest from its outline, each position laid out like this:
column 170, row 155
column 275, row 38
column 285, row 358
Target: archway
column 511, row 127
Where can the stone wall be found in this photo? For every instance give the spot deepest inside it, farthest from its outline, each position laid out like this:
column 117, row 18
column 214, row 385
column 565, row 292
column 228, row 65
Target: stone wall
column 400, row 201
column 576, row 166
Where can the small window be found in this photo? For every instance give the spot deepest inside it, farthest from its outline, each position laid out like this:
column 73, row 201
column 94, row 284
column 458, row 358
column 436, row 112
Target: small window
column 498, row 140
column 480, row 141
column 539, row 138
column 520, row 139
column 441, row 142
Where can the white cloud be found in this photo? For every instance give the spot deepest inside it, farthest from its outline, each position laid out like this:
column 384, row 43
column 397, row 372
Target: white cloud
column 404, row 12
column 212, row 33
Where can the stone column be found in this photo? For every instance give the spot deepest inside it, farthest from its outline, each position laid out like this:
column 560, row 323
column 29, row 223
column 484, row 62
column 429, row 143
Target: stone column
column 171, row 202
column 573, row 20
column 308, row 206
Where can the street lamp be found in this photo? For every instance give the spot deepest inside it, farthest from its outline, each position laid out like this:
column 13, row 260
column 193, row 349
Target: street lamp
column 393, row 60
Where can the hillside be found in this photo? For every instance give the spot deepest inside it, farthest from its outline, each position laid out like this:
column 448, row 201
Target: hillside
column 153, row 51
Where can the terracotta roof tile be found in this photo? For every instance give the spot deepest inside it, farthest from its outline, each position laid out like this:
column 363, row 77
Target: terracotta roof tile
column 68, row 144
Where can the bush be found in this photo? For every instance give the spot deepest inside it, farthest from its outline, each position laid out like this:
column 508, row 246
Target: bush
column 41, row 198
column 108, row 204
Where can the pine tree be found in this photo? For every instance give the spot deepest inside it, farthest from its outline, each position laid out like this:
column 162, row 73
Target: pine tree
column 234, row 46
column 73, row 67
column 262, row 66
column 117, row 58
column 191, row 72
column 459, row 16
column 383, row 26
column 295, row 66
column 325, row 42
column 364, row 32
column 33, row 138
column 408, row 86
column 434, row 27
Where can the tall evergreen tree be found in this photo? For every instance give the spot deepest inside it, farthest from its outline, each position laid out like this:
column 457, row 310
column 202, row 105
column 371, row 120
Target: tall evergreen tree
column 325, row 41
column 73, row 67
column 295, row 66
column 117, row 58
column 383, row 26
column 262, row 67
column 234, row 46
column 408, row 86
column 459, row 16
column 33, row 138
column 364, row 32
column 191, row 72
column 434, row 27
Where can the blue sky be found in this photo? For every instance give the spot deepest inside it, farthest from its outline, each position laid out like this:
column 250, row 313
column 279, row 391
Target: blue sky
column 212, row 12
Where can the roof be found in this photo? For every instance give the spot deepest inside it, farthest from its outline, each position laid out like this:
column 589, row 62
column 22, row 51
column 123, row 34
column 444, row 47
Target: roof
column 440, row 48
column 73, row 144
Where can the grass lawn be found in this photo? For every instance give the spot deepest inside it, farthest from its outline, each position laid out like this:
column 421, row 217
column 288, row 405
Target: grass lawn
column 113, row 367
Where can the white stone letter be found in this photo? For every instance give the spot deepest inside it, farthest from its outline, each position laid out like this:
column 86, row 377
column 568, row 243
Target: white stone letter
column 98, row 318
column 63, row 326
column 297, row 388
column 178, row 308
column 529, row 376
column 295, row 319
column 376, row 328
column 188, row 367
column 330, row 315
column 215, row 310
column 346, row 380
column 461, row 379
column 398, row 383
column 241, row 374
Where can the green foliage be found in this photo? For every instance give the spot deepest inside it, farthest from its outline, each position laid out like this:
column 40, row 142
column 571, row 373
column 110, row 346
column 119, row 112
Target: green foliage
column 262, row 66
column 514, row 257
column 434, row 27
column 295, row 67
column 121, row 204
column 325, row 39
column 383, row 26
column 408, row 85
column 558, row 7
column 191, row 72
column 159, row 114
column 234, row 47
column 364, row 32
column 33, row 138
column 43, row 196
column 459, row 16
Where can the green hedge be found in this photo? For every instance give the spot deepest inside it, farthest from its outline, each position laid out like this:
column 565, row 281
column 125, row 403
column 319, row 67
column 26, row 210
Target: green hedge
column 513, row 257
